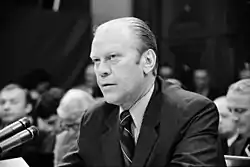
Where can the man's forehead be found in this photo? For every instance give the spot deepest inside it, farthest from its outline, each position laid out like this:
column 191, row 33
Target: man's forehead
column 222, row 108
column 115, row 30
column 237, row 99
column 221, row 103
column 115, row 39
column 13, row 93
column 118, row 24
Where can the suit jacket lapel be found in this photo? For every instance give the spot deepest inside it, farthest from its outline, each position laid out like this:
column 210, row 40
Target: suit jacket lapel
column 110, row 139
column 240, row 146
column 149, row 133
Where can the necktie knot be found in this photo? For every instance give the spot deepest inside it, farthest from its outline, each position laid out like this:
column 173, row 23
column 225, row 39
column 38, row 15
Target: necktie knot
column 126, row 119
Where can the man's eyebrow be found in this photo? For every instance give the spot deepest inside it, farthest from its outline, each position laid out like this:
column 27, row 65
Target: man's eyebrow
column 93, row 57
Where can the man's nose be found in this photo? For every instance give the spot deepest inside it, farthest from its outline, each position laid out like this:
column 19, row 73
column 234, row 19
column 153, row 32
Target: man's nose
column 235, row 117
column 6, row 107
column 103, row 70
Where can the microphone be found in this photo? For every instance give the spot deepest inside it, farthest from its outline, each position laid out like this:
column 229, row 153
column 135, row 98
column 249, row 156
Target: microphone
column 14, row 128
column 19, row 139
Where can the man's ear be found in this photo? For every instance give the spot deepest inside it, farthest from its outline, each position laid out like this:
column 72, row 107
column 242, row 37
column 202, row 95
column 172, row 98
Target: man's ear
column 149, row 61
column 28, row 108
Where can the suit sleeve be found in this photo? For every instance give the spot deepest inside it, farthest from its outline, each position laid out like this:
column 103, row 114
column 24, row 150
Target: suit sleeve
column 73, row 158
column 200, row 144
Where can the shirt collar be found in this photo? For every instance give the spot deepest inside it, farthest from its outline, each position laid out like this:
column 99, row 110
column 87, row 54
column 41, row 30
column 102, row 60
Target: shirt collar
column 138, row 109
column 232, row 139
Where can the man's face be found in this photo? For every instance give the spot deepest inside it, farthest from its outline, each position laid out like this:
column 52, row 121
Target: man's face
column 239, row 105
column 201, row 78
column 227, row 124
column 117, row 64
column 13, row 104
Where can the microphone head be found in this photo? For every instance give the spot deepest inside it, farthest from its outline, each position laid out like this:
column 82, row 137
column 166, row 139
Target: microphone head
column 19, row 139
column 33, row 131
column 25, row 121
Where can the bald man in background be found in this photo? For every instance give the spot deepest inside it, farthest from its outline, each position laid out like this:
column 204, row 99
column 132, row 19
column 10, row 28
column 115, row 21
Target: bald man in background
column 72, row 106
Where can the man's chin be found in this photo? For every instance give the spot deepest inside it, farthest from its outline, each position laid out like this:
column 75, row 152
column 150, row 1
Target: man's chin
column 112, row 99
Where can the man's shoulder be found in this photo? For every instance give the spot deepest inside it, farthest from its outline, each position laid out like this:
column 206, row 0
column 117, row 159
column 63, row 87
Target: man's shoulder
column 99, row 110
column 183, row 99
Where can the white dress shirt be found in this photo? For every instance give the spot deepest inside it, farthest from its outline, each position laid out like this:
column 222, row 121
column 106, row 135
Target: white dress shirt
column 232, row 139
column 137, row 112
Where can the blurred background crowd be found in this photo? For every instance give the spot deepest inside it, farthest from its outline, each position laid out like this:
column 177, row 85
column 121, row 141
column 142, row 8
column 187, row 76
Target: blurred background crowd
column 46, row 73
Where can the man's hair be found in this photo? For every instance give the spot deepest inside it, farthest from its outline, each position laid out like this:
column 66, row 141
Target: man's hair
column 241, row 87
column 144, row 34
column 49, row 102
column 78, row 99
column 13, row 86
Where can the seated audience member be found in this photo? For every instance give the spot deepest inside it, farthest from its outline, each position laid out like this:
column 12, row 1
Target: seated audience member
column 238, row 101
column 72, row 106
column 47, row 118
column 202, row 84
column 15, row 102
column 46, row 109
column 227, row 124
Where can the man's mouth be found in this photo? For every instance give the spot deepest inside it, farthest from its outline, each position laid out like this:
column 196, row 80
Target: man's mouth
column 107, row 85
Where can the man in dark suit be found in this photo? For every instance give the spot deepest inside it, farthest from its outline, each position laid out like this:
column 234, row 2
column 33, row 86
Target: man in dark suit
column 238, row 99
column 143, row 120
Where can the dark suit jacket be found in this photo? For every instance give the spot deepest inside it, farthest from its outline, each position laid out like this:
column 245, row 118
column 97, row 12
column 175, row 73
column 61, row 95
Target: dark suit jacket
column 238, row 147
column 235, row 148
column 225, row 148
column 179, row 128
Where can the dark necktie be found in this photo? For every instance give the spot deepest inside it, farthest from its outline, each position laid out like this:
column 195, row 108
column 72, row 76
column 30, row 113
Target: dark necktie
column 126, row 138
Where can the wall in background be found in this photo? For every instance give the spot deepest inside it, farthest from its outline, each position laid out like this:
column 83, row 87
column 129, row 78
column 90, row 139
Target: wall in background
column 103, row 10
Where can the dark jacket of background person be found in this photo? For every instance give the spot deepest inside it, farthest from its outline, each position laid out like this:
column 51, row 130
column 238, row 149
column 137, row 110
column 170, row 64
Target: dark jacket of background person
column 235, row 148
column 180, row 128
column 238, row 148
